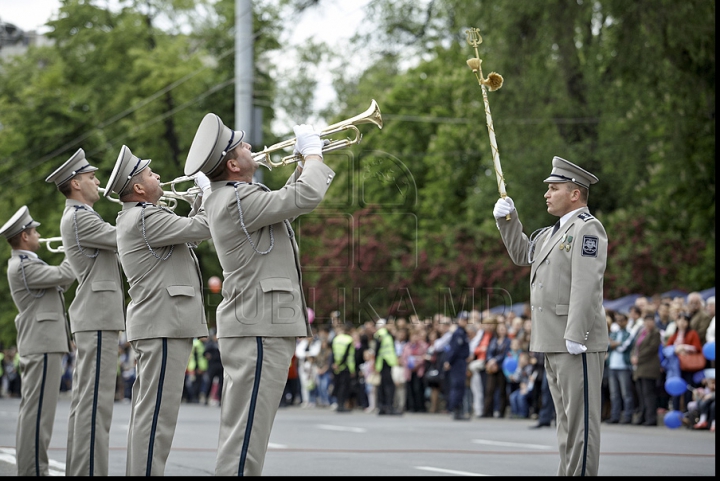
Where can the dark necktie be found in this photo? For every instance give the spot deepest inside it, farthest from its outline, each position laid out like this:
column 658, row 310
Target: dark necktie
column 555, row 228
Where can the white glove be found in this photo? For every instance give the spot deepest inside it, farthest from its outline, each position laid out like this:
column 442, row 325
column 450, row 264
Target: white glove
column 202, row 181
column 574, row 347
column 503, row 207
column 308, row 142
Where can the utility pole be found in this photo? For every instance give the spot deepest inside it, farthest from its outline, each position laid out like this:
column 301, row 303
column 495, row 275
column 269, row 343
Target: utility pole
column 244, row 75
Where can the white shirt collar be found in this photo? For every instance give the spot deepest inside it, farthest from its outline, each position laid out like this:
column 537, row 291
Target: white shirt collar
column 567, row 216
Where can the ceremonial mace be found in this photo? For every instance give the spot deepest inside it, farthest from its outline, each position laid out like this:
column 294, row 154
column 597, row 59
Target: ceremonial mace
column 493, row 82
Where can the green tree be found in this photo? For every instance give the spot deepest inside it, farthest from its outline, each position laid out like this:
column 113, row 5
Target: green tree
column 113, row 78
column 624, row 89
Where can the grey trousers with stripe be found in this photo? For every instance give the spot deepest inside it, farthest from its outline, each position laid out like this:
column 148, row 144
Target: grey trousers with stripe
column 91, row 407
column 256, row 371
column 40, row 389
column 575, row 385
column 156, row 398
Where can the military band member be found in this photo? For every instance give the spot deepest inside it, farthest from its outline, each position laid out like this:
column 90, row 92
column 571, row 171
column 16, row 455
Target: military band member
column 568, row 319
column 263, row 310
column 43, row 337
column 166, row 309
column 97, row 315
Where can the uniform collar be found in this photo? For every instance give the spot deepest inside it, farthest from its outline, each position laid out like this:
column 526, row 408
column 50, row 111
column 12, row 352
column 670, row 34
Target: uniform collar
column 73, row 202
column 30, row 254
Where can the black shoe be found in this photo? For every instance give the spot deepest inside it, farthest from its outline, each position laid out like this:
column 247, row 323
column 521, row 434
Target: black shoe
column 650, row 424
column 382, row 412
column 625, row 421
column 613, row 421
column 540, row 425
column 639, row 422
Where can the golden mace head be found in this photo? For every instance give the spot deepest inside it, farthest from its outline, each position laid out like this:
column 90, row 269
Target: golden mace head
column 473, row 37
column 494, row 81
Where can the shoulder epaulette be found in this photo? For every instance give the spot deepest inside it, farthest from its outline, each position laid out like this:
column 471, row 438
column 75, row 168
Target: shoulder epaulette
column 585, row 216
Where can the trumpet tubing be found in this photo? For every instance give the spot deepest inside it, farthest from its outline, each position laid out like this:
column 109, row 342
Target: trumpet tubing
column 370, row 116
column 109, row 197
column 50, row 240
column 171, row 197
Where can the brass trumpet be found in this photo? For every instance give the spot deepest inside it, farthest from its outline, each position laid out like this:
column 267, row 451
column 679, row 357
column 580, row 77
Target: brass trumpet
column 370, row 116
column 50, row 240
column 171, row 197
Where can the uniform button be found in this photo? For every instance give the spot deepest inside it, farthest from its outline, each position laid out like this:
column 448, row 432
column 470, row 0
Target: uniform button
column 532, row 285
column 532, row 308
column 540, row 308
column 541, row 285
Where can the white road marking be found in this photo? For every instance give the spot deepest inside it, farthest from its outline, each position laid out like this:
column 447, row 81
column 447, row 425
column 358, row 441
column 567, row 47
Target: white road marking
column 489, row 442
column 330, row 427
column 449, row 471
column 8, row 455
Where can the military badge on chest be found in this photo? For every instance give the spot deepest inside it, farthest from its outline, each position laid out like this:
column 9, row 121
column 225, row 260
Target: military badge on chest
column 566, row 242
column 590, row 246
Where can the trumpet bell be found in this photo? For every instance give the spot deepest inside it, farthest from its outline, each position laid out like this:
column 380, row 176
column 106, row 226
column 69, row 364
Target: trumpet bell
column 370, row 116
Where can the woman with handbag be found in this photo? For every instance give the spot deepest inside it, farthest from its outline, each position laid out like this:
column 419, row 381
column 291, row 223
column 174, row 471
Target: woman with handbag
column 688, row 349
column 434, row 374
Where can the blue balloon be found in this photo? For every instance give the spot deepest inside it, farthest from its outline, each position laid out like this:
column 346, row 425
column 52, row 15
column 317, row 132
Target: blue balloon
column 673, row 419
column 509, row 364
column 709, row 350
column 699, row 376
column 675, row 386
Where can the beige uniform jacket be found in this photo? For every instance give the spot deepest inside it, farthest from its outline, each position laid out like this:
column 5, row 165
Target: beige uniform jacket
column 41, row 323
column 566, row 285
column 166, row 296
column 99, row 303
column 262, row 293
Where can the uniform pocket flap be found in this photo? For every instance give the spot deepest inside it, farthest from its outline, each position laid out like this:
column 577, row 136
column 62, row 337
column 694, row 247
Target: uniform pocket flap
column 48, row 316
column 181, row 291
column 276, row 284
column 104, row 286
column 562, row 309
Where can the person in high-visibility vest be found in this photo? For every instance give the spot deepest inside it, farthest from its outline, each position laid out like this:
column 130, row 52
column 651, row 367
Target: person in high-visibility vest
column 385, row 359
column 343, row 365
column 197, row 366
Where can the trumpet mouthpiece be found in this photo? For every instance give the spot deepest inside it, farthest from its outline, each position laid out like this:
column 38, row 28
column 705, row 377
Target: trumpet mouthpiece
column 474, row 64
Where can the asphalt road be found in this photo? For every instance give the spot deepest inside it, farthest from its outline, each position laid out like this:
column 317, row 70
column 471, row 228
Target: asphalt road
column 319, row 442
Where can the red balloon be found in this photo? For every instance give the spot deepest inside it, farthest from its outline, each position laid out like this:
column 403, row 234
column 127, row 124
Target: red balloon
column 215, row 284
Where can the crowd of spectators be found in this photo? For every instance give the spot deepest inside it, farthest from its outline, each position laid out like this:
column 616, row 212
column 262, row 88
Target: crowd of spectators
column 502, row 379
